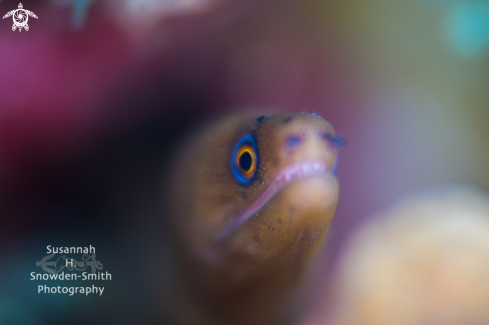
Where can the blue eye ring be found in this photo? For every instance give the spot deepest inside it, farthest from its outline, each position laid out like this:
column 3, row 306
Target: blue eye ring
column 244, row 160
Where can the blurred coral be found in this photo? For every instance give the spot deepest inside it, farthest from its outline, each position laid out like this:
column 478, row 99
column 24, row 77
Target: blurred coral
column 424, row 260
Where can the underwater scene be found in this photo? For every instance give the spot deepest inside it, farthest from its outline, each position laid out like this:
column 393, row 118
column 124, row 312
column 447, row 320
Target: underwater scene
column 244, row 162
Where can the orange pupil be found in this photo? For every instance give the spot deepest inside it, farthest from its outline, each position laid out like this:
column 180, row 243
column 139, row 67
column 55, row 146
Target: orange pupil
column 246, row 161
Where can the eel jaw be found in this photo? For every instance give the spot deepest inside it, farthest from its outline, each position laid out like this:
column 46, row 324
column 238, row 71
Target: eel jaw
column 290, row 174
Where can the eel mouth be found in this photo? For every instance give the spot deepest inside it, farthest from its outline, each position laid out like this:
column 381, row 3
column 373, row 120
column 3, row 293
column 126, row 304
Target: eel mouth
column 290, row 174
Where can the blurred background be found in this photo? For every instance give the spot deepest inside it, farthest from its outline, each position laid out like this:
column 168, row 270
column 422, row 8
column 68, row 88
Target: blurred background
column 95, row 95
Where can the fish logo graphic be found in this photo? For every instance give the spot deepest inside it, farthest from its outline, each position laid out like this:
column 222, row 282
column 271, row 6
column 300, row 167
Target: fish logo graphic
column 20, row 17
column 70, row 263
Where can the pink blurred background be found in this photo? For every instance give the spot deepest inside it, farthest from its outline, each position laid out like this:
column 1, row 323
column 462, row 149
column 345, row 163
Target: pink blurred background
column 405, row 82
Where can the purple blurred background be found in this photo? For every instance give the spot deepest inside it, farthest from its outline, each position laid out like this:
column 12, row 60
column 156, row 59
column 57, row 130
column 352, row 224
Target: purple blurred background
column 95, row 94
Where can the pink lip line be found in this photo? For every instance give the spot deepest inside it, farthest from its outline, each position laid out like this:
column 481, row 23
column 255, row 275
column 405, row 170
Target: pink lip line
column 286, row 176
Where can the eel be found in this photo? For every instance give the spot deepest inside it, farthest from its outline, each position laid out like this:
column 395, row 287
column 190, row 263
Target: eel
column 250, row 202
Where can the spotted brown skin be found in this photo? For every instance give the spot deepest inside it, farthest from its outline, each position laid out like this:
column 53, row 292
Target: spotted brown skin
column 249, row 272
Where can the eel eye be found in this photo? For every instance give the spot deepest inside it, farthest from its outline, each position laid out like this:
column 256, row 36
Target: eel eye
column 244, row 160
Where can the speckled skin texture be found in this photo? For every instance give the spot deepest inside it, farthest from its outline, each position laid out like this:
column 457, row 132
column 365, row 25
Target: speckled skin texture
column 254, row 276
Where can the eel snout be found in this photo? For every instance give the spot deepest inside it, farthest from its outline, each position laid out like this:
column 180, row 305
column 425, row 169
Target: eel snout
column 298, row 157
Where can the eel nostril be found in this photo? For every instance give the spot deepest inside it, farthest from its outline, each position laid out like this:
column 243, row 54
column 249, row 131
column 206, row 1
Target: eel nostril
column 336, row 141
column 293, row 140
